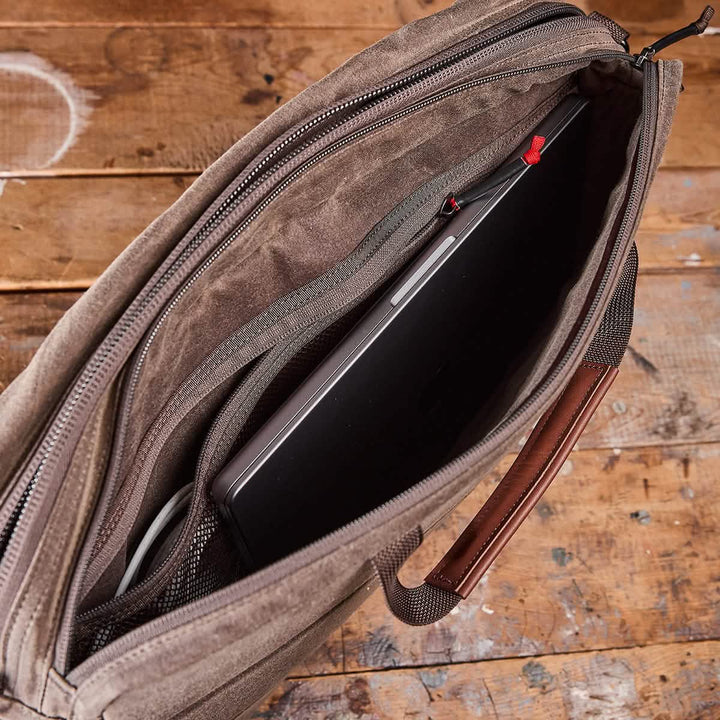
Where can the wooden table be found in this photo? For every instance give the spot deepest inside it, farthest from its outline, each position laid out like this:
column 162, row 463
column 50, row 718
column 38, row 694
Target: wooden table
column 607, row 602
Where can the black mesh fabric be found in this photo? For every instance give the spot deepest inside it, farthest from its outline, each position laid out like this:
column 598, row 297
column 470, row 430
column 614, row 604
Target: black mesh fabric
column 422, row 605
column 209, row 563
column 612, row 337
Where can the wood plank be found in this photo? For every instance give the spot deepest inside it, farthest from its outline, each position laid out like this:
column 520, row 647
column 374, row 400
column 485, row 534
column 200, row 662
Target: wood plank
column 240, row 13
column 622, row 551
column 159, row 99
column 656, row 17
column 63, row 232
column 25, row 320
column 648, row 15
column 667, row 391
column 126, row 101
column 681, row 220
column 663, row 682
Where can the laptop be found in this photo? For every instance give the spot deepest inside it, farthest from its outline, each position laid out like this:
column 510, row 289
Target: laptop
column 429, row 370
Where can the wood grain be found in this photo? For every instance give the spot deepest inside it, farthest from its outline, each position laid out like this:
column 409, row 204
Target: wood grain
column 648, row 15
column 25, row 320
column 241, row 13
column 165, row 99
column 668, row 388
column 662, row 682
column 622, row 551
column 679, row 226
column 61, row 233
column 168, row 99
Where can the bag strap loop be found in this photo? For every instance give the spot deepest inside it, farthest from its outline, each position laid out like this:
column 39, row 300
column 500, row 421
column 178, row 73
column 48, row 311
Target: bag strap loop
column 541, row 458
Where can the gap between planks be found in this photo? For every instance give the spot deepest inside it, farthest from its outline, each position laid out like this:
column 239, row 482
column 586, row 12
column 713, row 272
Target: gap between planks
column 502, row 659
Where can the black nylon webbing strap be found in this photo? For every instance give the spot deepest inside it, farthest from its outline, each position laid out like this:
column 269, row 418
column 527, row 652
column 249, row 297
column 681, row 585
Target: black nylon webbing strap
column 426, row 604
column 421, row 605
column 612, row 337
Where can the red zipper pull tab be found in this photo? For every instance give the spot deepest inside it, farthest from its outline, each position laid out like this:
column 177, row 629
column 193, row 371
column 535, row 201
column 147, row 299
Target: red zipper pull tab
column 695, row 28
column 455, row 203
column 532, row 156
column 449, row 206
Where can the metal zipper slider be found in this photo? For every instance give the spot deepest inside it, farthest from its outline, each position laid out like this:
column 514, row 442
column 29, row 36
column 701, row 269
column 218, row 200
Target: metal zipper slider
column 695, row 28
column 455, row 203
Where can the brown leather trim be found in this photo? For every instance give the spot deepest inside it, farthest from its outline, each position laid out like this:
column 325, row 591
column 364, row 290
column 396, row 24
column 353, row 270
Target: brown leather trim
column 534, row 469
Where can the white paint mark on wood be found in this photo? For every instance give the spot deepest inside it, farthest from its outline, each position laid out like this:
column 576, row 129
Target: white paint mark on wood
column 3, row 182
column 607, row 692
column 691, row 260
column 50, row 110
column 483, row 647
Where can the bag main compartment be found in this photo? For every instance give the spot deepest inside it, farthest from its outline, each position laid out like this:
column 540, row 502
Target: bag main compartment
column 174, row 463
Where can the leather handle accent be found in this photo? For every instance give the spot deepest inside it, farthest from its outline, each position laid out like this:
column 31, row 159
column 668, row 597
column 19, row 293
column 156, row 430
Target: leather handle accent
column 534, row 469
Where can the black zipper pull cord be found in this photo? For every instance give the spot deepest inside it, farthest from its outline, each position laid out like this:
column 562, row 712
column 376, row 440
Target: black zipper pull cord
column 455, row 203
column 695, row 28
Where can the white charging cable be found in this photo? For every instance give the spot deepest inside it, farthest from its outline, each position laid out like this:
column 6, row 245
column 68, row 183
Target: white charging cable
column 172, row 508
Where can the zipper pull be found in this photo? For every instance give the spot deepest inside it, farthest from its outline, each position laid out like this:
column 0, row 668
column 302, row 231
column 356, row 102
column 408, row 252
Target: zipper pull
column 455, row 203
column 696, row 28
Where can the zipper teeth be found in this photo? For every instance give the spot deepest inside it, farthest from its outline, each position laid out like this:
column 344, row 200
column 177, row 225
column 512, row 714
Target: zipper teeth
column 525, row 409
column 402, row 83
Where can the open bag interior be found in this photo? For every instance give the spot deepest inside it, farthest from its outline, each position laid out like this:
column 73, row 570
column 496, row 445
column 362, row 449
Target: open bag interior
column 258, row 319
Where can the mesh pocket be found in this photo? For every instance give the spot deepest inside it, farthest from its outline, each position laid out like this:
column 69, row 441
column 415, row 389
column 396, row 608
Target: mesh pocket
column 209, row 563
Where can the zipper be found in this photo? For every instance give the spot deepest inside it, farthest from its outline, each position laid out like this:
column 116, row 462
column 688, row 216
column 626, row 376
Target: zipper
column 694, row 28
column 455, row 203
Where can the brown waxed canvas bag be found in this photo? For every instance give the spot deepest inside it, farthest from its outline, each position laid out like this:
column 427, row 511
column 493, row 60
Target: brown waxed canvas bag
column 194, row 334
